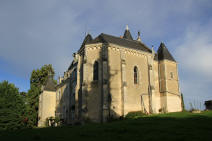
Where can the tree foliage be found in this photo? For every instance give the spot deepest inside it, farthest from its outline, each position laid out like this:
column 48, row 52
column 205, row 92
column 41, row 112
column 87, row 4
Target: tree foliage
column 12, row 107
column 39, row 76
column 37, row 80
column 182, row 101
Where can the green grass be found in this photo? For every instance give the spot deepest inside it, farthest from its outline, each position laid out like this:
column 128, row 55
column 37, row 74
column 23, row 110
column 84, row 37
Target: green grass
column 171, row 126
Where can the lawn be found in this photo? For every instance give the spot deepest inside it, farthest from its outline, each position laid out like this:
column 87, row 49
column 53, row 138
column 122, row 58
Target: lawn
column 172, row 126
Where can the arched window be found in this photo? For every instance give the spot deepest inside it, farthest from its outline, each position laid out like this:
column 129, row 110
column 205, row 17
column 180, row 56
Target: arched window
column 135, row 75
column 96, row 71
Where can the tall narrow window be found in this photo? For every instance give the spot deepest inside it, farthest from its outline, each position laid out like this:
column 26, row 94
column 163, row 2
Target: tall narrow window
column 135, row 75
column 96, row 71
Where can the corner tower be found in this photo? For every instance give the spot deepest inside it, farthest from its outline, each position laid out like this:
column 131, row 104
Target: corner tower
column 47, row 102
column 168, row 81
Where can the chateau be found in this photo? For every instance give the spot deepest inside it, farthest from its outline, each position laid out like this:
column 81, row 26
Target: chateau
column 110, row 77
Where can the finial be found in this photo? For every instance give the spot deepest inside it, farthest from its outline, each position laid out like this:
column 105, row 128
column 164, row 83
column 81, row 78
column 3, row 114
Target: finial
column 139, row 38
column 153, row 52
column 152, row 48
column 127, row 28
column 162, row 44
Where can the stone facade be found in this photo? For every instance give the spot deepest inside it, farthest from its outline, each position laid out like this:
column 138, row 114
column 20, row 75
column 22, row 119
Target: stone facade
column 47, row 104
column 111, row 76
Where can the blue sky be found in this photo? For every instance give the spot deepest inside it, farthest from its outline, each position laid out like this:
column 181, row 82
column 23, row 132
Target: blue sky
column 38, row 32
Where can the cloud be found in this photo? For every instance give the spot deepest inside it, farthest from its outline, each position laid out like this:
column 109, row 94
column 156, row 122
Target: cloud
column 193, row 51
column 33, row 33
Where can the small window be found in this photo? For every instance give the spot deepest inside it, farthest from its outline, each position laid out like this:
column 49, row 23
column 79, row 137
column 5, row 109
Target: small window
column 172, row 75
column 96, row 71
column 135, row 75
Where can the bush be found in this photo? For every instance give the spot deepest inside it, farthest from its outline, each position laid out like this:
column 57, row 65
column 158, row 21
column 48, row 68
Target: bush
column 53, row 121
column 12, row 107
column 133, row 115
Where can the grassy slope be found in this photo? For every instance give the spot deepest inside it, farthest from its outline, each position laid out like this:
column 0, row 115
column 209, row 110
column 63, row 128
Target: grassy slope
column 172, row 126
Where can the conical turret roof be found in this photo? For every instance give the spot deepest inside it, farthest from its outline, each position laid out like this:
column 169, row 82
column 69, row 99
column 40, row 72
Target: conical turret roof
column 163, row 53
column 50, row 85
column 127, row 34
column 87, row 39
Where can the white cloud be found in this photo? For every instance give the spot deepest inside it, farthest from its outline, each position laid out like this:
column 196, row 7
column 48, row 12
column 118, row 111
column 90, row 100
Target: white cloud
column 33, row 33
column 193, row 51
column 32, row 37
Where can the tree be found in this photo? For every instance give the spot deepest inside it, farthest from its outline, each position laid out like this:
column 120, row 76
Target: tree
column 182, row 102
column 12, row 107
column 39, row 76
column 37, row 80
column 32, row 106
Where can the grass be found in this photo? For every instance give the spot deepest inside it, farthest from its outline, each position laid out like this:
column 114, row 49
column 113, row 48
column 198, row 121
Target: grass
column 172, row 126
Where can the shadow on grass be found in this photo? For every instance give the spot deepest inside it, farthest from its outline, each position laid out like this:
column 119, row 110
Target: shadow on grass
column 173, row 126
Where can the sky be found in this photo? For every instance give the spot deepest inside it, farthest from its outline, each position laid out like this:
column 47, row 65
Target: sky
column 38, row 32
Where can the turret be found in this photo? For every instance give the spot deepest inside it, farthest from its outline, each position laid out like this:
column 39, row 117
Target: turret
column 47, row 101
column 164, row 54
column 50, row 84
column 127, row 34
column 168, row 80
column 88, row 39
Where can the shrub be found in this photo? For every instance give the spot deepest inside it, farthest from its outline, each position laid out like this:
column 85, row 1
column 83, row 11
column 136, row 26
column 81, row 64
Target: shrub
column 133, row 115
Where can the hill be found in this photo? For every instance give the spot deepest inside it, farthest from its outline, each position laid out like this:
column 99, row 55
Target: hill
column 171, row 126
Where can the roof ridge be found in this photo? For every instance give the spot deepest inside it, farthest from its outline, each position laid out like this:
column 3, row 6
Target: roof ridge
column 119, row 37
column 133, row 44
column 128, row 40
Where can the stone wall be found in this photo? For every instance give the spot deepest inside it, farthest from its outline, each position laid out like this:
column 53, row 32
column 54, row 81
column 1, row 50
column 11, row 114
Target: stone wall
column 114, row 94
column 47, row 107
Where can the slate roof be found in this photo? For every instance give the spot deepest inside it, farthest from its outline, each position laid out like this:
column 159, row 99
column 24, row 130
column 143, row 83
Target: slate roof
column 127, row 35
column 163, row 53
column 73, row 64
column 133, row 44
column 50, row 85
column 87, row 39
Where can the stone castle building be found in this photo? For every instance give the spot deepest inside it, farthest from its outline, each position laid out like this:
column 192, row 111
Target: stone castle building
column 110, row 77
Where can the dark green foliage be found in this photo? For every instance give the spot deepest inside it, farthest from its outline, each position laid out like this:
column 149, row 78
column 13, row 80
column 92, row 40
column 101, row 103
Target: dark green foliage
column 133, row 115
column 37, row 80
column 18, row 110
column 182, row 126
column 52, row 121
column 39, row 76
column 183, row 105
column 12, row 107
column 32, row 106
